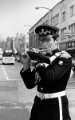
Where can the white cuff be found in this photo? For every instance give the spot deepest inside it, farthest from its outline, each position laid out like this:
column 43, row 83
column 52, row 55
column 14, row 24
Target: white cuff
column 58, row 54
column 52, row 58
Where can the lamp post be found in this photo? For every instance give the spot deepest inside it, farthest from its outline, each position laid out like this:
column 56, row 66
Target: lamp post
column 48, row 9
column 41, row 7
column 27, row 25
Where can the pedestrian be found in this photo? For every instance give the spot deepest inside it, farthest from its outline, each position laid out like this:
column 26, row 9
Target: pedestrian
column 50, row 102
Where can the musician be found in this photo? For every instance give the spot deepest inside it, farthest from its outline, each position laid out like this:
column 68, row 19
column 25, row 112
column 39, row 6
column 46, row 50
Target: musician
column 51, row 102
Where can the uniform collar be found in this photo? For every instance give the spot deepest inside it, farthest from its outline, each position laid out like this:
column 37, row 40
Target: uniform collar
column 55, row 51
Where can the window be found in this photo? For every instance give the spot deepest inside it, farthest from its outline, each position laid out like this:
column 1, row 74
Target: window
column 62, row 32
column 70, row 45
column 73, row 44
column 46, row 22
column 71, row 10
column 72, row 28
column 63, row 16
column 55, row 19
column 8, row 53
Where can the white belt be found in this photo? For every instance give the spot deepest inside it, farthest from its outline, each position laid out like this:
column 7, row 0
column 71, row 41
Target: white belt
column 51, row 95
column 54, row 95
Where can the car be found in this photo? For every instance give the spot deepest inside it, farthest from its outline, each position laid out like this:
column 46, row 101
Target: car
column 8, row 57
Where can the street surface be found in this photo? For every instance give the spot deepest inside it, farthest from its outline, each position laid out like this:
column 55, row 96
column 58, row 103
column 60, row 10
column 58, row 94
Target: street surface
column 16, row 100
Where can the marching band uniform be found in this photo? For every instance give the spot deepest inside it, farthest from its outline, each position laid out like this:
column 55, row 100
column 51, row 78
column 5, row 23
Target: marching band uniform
column 50, row 102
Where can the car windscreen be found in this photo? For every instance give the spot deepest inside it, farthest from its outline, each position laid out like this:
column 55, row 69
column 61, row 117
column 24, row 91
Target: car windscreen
column 7, row 54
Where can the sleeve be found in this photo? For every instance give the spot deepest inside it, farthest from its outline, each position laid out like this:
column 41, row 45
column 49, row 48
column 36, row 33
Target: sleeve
column 57, row 70
column 28, row 78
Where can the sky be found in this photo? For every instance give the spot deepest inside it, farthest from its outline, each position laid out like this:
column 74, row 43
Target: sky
column 20, row 15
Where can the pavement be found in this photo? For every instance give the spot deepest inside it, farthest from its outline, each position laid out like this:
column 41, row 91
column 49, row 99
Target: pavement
column 21, row 112
column 13, row 111
column 72, row 113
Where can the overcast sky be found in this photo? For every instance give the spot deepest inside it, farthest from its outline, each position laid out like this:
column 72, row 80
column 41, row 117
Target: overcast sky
column 19, row 15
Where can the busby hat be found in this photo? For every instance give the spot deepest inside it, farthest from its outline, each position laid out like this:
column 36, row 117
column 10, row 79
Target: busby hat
column 44, row 30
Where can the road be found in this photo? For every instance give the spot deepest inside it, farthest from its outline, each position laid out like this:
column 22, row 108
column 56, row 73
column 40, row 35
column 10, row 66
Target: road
column 16, row 100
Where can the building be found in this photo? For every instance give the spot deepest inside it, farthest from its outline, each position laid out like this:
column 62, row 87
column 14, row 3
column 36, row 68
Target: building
column 61, row 15
column 19, row 43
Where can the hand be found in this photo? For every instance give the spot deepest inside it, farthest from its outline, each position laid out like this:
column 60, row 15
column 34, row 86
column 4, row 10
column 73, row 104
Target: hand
column 57, row 54
column 65, row 54
column 26, row 62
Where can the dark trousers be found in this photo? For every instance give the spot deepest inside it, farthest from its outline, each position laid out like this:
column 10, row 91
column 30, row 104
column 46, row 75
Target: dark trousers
column 48, row 109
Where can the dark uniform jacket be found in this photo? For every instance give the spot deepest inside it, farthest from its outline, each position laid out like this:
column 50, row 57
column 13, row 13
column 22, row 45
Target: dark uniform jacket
column 50, row 79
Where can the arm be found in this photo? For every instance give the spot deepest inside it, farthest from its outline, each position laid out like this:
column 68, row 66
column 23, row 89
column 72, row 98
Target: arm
column 58, row 69
column 27, row 75
column 28, row 78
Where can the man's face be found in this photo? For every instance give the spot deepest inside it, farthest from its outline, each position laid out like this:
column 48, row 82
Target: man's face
column 47, row 42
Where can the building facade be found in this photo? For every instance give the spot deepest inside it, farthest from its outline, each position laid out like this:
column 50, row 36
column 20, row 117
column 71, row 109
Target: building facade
column 61, row 15
column 19, row 43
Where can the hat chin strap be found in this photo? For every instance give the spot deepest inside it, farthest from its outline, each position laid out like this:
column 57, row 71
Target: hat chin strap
column 53, row 46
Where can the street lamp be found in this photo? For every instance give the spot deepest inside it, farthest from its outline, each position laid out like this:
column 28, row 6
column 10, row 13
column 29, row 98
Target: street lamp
column 37, row 8
column 27, row 25
column 49, row 10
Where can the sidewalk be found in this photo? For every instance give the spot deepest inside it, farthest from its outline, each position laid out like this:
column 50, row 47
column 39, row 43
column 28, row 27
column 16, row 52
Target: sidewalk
column 13, row 111
column 72, row 112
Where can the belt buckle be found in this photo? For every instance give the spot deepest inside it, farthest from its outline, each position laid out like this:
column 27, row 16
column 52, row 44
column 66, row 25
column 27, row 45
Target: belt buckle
column 42, row 96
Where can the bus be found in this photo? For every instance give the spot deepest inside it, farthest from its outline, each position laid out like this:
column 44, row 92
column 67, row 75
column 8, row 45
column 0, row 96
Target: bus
column 8, row 57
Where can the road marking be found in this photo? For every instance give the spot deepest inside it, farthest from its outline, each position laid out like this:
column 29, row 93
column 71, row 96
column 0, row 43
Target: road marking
column 5, row 73
column 2, row 107
column 28, row 107
column 12, row 107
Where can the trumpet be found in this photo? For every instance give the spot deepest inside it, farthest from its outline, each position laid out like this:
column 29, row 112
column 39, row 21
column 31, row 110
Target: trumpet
column 41, row 50
column 39, row 55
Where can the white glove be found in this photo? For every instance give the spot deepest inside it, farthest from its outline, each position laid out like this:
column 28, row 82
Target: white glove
column 26, row 62
column 65, row 54
column 58, row 54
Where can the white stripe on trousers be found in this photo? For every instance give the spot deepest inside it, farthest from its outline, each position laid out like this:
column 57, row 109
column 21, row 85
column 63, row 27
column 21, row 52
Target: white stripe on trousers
column 54, row 95
column 60, row 108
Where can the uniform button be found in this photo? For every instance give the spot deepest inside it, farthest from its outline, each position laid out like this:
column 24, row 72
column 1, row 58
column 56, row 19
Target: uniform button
column 41, row 88
column 60, row 63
